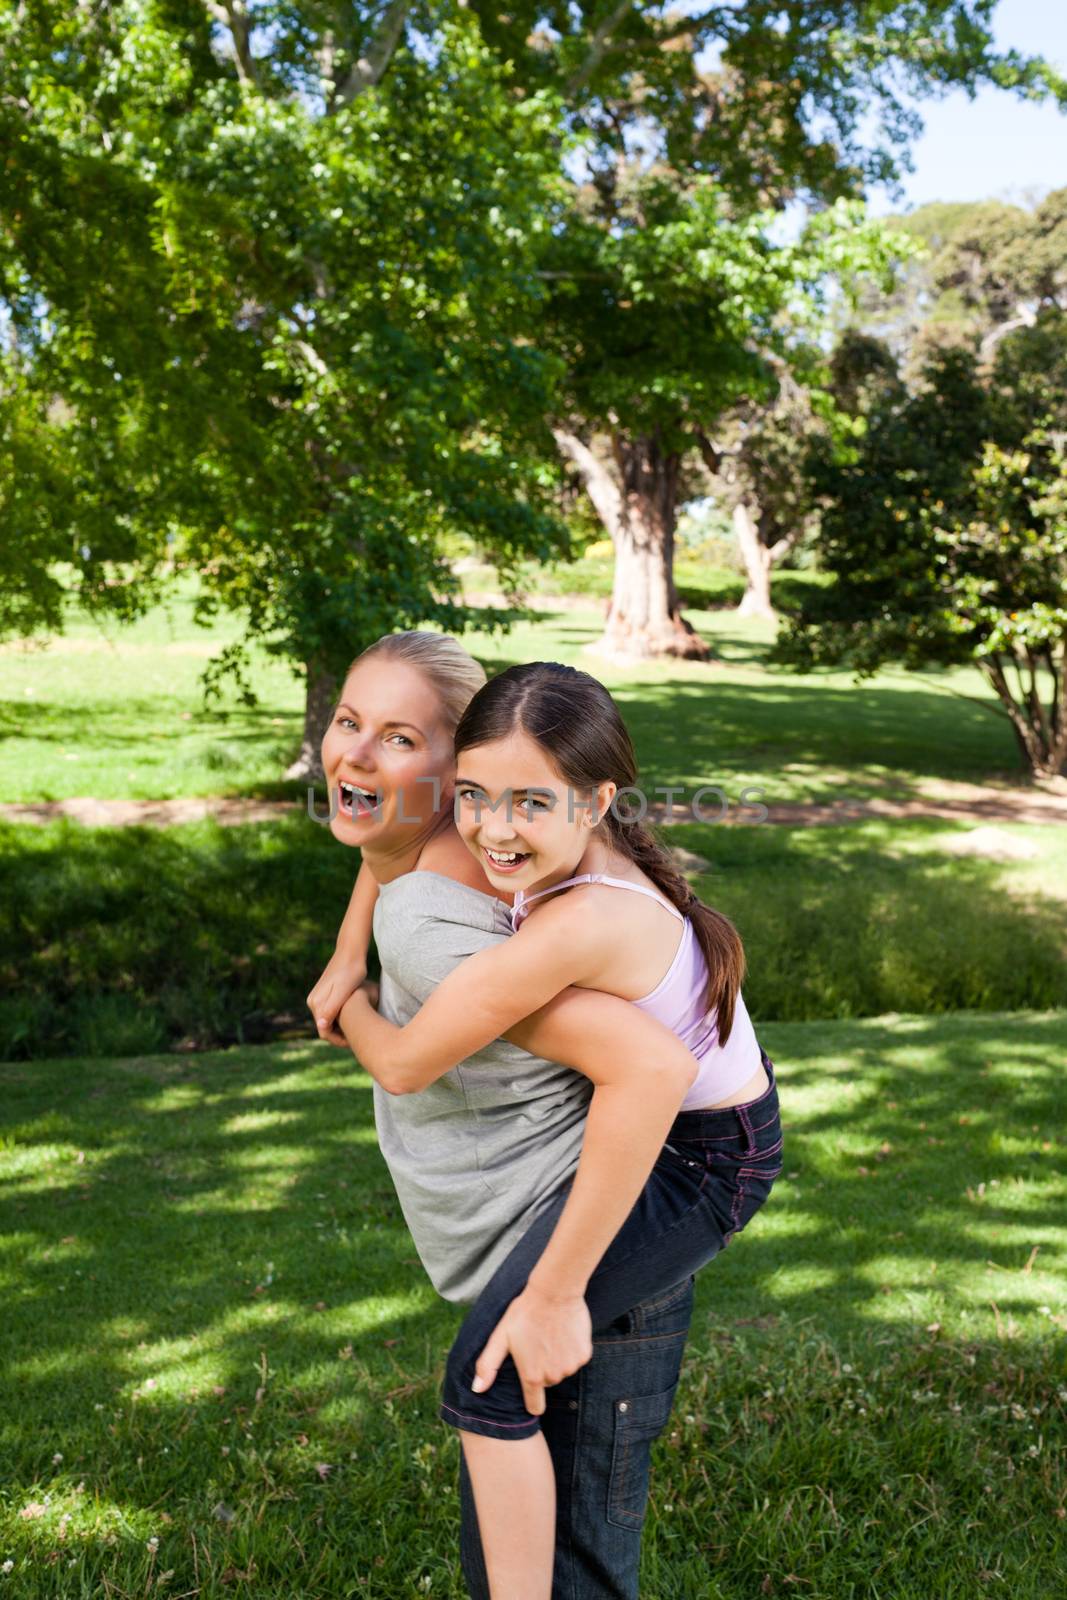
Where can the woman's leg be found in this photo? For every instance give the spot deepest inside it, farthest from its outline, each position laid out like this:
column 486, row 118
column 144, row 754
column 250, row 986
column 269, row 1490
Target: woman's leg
column 513, row 1484
column 715, row 1172
column 601, row 1492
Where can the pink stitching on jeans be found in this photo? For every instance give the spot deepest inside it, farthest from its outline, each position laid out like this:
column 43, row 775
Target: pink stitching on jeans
column 490, row 1422
column 771, row 1150
column 735, row 1210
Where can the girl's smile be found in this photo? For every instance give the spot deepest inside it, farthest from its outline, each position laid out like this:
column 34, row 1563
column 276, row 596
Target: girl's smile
column 518, row 816
column 504, row 862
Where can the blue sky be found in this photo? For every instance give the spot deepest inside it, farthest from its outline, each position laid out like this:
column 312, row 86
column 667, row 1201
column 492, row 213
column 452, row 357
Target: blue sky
column 994, row 146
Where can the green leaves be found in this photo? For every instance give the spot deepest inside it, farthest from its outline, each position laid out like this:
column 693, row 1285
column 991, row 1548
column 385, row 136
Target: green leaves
column 295, row 325
column 945, row 527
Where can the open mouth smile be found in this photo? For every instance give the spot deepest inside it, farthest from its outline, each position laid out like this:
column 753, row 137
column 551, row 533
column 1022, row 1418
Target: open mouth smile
column 355, row 801
column 505, row 860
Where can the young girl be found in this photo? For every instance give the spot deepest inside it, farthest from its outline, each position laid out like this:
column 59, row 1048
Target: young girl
column 541, row 754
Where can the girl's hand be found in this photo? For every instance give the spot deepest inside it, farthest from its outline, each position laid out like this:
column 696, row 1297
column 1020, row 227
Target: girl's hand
column 548, row 1338
column 341, row 978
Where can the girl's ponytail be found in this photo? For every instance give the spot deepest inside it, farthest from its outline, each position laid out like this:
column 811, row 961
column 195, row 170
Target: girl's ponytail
column 719, row 939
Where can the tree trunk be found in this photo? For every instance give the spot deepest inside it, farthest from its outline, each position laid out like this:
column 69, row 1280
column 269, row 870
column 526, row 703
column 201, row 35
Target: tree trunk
column 320, row 689
column 756, row 600
column 1041, row 736
column 637, row 503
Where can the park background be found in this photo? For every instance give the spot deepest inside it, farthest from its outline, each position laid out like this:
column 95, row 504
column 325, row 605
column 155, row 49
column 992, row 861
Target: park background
column 564, row 331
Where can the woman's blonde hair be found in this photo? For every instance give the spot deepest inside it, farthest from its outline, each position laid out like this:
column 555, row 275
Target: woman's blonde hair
column 455, row 675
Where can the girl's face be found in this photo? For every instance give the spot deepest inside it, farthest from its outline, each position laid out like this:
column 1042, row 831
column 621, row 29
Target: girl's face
column 387, row 754
column 519, row 817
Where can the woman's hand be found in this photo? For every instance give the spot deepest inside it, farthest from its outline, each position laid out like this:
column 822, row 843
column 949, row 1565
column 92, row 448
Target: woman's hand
column 341, row 978
column 548, row 1337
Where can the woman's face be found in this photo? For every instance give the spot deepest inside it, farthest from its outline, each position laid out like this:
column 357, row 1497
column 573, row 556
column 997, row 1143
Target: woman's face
column 519, row 817
column 387, row 754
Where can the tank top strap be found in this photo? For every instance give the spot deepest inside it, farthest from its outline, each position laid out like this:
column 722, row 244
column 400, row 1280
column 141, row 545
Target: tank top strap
column 638, row 888
column 523, row 901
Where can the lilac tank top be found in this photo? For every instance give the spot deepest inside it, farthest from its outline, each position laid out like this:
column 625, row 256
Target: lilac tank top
column 678, row 1002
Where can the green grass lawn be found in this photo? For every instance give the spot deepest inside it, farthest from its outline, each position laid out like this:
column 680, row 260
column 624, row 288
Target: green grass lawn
column 221, row 1360
column 121, row 715
column 116, row 941
column 118, row 711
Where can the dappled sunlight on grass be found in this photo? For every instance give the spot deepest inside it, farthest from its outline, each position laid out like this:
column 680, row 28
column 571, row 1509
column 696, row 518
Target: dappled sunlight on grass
column 220, row 1307
column 736, row 717
column 890, row 1127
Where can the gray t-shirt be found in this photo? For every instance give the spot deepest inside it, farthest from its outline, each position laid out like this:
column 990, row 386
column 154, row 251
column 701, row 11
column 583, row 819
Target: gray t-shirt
column 475, row 1155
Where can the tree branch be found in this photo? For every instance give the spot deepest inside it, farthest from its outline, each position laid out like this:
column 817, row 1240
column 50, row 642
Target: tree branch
column 599, row 481
column 782, row 546
column 371, row 67
column 993, row 669
column 598, row 46
column 711, row 454
column 1024, row 317
column 233, row 16
column 715, row 456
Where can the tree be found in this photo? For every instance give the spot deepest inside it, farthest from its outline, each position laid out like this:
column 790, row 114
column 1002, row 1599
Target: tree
column 295, row 311
column 1005, row 572
column 657, row 262
column 654, row 322
column 294, row 306
column 987, row 269
column 962, row 503
column 756, row 463
column 759, row 459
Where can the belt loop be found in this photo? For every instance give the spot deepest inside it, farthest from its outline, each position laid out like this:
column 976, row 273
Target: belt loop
column 746, row 1126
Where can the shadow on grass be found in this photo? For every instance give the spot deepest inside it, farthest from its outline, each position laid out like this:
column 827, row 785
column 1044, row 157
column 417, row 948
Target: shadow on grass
column 696, row 732
column 195, row 1192
column 685, row 729
column 225, row 1322
column 846, row 739
column 218, row 1204
column 916, row 1154
column 230, row 1222
column 225, row 740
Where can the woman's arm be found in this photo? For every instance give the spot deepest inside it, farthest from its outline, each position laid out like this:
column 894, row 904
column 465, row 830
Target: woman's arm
column 479, row 1000
column 347, row 967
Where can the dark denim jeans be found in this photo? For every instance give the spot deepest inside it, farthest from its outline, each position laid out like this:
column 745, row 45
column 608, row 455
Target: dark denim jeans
column 714, row 1172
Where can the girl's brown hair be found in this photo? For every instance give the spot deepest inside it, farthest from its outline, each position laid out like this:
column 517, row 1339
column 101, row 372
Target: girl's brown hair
column 575, row 720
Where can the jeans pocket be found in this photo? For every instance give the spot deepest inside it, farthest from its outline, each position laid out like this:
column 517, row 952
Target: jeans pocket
column 754, row 1186
column 639, row 1419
